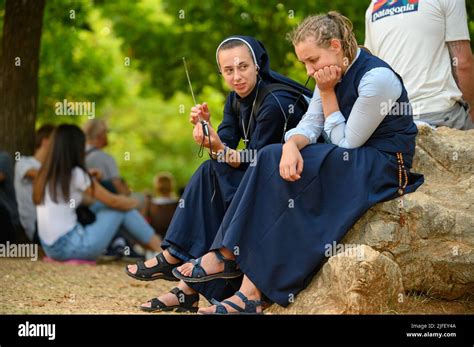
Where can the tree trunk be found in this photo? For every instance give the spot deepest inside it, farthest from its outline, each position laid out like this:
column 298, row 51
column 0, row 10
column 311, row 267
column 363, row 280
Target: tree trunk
column 19, row 65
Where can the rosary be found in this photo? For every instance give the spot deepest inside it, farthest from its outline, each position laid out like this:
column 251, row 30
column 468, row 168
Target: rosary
column 246, row 132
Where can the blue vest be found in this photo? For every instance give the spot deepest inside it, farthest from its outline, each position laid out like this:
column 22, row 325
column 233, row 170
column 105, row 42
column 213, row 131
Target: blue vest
column 397, row 131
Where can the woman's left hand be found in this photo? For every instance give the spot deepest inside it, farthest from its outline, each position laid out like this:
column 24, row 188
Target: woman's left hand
column 327, row 77
column 198, row 135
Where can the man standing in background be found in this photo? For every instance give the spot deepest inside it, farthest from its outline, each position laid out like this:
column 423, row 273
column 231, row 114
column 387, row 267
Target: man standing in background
column 427, row 42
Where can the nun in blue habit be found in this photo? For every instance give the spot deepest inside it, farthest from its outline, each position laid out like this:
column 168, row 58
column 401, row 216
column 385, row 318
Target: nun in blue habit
column 303, row 196
column 261, row 106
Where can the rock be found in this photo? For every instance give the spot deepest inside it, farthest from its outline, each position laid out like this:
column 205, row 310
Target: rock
column 429, row 234
column 358, row 280
column 432, row 244
column 444, row 153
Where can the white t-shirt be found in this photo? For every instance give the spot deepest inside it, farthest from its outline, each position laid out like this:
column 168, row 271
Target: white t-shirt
column 412, row 39
column 24, row 193
column 57, row 219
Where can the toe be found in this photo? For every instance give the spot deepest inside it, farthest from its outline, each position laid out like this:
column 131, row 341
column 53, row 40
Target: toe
column 146, row 305
column 132, row 269
column 184, row 269
column 151, row 262
column 207, row 310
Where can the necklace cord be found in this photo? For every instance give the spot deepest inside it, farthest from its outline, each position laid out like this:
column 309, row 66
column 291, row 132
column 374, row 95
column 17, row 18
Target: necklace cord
column 246, row 132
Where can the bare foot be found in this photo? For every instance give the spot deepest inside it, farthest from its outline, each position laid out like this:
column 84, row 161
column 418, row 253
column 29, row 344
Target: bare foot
column 153, row 262
column 210, row 263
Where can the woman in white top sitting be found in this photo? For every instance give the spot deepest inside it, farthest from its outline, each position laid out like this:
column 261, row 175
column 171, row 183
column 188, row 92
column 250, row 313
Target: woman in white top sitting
column 58, row 190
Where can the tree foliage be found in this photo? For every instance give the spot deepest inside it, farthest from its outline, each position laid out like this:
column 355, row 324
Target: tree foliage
column 126, row 57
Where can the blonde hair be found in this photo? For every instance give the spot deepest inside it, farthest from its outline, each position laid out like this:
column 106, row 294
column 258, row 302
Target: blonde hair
column 93, row 128
column 164, row 184
column 325, row 27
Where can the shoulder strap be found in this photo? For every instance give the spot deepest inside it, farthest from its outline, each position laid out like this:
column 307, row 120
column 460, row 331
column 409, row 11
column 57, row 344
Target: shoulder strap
column 235, row 106
column 277, row 87
column 267, row 89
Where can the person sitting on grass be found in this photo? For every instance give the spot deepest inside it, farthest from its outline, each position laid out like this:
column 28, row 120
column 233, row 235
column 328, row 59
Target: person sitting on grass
column 96, row 140
column 10, row 227
column 58, row 190
column 159, row 210
column 26, row 170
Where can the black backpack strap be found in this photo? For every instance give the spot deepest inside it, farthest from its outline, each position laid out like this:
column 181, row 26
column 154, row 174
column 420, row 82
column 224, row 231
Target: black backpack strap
column 236, row 106
column 270, row 88
column 267, row 89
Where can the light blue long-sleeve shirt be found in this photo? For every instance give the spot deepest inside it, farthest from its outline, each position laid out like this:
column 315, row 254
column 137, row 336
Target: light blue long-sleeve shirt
column 378, row 90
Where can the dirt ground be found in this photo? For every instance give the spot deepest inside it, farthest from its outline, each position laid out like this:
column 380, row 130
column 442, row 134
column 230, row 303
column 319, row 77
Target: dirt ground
column 38, row 287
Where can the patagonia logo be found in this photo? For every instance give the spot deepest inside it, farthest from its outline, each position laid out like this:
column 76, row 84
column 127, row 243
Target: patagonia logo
column 387, row 8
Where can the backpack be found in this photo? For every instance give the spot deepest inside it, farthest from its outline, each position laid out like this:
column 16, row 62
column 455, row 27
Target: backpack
column 270, row 88
column 267, row 89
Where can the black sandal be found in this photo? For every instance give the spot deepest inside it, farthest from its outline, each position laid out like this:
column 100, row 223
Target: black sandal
column 162, row 270
column 186, row 303
column 249, row 308
column 199, row 275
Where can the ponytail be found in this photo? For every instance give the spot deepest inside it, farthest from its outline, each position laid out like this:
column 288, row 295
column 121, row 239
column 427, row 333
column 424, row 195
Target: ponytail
column 325, row 27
